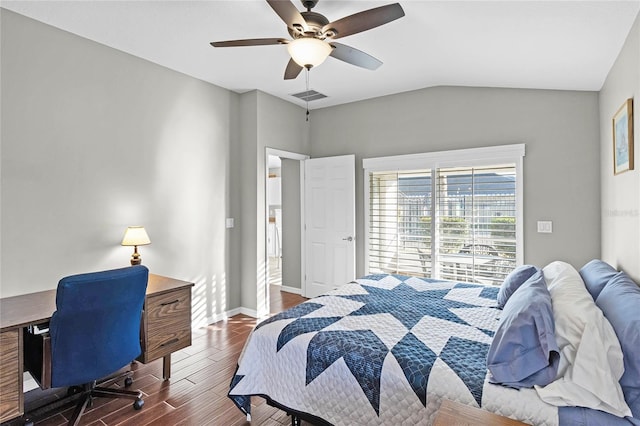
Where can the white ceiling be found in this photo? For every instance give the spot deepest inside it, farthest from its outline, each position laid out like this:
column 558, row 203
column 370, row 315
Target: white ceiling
column 527, row 44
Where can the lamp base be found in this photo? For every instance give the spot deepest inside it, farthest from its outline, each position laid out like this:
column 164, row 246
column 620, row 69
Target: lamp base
column 136, row 259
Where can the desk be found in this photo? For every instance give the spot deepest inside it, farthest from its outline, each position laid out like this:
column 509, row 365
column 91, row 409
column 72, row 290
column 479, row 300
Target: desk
column 165, row 328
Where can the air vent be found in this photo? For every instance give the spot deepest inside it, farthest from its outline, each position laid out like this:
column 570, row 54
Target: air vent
column 309, row 95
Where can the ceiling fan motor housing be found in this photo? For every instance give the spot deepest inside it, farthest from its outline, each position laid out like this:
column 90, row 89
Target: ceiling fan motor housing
column 309, row 4
column 315, row 22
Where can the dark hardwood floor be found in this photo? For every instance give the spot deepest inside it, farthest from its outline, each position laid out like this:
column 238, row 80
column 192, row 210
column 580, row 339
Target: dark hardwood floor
column 196, row 392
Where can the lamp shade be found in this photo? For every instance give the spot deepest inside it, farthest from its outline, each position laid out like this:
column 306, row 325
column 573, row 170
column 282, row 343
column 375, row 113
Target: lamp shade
column 308, row 51
column 135, row 236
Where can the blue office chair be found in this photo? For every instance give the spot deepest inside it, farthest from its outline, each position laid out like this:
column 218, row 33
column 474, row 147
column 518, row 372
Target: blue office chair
column 94, row 332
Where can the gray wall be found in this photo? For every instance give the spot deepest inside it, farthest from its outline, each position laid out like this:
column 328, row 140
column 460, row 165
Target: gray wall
column 94, row 140
column 243, row 188
column 561, row 166
column 291, row 222
column 267, row 122
column 621, row 193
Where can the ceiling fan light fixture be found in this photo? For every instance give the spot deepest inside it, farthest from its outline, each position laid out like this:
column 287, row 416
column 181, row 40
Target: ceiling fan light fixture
column 308, row 51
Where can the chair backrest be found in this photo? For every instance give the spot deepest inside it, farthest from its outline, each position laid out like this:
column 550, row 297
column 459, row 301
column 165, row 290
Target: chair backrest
column 95, row 330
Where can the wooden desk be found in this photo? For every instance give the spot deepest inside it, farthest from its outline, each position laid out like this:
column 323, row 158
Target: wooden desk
column 456, row 414
column 165, row 328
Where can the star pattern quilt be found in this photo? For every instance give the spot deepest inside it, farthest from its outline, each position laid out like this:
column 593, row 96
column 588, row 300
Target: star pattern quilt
column 383, row 350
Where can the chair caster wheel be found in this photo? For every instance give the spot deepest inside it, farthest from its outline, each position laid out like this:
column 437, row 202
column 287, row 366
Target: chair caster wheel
column 138, row 404
column 27, row 422
column 128, row 382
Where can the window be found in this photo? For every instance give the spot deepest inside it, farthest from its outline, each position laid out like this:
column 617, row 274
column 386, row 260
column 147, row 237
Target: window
column 400, row 222
column 456, row 218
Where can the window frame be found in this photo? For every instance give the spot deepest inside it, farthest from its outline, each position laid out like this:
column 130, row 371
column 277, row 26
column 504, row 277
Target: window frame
column 472, row 157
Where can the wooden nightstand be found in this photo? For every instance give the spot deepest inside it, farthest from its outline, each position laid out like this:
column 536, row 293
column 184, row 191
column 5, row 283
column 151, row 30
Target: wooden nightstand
column 456, row 414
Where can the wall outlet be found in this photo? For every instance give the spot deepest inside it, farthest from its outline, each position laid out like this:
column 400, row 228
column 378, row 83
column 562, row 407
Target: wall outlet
column 229, row 222
column 545, row 226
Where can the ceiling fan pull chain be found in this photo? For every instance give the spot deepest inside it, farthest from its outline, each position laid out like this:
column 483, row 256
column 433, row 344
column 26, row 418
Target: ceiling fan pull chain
column 307, row 100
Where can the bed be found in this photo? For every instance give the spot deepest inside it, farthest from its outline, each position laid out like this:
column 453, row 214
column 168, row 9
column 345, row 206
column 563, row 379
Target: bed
column 388, row 349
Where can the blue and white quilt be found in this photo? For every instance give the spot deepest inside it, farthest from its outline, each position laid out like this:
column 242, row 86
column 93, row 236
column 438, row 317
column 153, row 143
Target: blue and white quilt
column 383, row 350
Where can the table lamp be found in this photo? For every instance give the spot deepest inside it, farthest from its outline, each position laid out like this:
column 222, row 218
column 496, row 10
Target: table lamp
column 135, row 236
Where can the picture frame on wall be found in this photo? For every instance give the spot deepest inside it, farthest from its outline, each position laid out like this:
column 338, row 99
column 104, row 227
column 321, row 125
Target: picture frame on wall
column 623, row 138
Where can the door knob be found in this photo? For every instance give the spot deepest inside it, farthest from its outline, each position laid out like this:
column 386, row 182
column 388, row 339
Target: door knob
column 348, row 239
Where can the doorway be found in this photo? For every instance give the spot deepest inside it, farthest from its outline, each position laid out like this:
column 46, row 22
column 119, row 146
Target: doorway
column 312, row 239
column 274, row 223
column 284, row 211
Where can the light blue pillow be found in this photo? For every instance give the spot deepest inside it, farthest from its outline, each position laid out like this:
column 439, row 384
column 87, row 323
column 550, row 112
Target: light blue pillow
column 524, row 351
column 596, row 274
column 619, row 301
column 514, row 280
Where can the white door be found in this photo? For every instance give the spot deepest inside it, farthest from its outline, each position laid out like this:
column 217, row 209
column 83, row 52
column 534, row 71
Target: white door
column 330, row 246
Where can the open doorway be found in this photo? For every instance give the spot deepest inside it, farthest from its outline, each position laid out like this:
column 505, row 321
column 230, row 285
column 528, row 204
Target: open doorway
column 284, row 212
column 274, row 224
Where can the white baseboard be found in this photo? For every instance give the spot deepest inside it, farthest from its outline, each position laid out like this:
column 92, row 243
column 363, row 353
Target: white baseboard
column 233, row 312
column 242, row 310
column 246, row 311
column 293, row 290
column 223, row 316
column 226, row 315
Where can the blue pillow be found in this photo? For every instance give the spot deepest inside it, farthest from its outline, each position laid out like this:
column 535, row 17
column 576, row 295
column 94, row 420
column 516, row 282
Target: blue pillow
column 619, row 301
column 596, row 274
column 524, row 351
column 632, row 397
column 514, row 280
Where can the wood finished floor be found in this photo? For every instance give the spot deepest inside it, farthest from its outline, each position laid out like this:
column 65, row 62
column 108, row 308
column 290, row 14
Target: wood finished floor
column 196, row 392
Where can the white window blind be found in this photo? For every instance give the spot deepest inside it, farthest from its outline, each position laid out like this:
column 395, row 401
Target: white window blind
column 476, row 223
column 456, row 222
column 400, row 222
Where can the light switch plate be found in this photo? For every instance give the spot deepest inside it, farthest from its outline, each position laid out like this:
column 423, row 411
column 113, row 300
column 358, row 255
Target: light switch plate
column 229, row 222
column 545, row 226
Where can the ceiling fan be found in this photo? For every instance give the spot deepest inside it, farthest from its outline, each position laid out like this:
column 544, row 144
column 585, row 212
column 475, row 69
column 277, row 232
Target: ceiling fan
column 313, row 35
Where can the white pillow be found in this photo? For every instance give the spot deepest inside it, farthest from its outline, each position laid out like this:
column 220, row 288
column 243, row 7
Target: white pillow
column 590, row 355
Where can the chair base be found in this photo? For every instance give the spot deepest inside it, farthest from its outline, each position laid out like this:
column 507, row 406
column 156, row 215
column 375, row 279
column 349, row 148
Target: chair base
column 82, row 397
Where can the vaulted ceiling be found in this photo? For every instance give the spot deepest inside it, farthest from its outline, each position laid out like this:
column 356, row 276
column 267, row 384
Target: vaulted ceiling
column 565, row 45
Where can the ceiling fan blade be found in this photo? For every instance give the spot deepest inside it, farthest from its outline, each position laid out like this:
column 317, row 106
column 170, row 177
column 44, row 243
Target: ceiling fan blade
column 249, row 42
column 354, row 56
column 292, row 71
column 364, row 20
column 289, row 14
